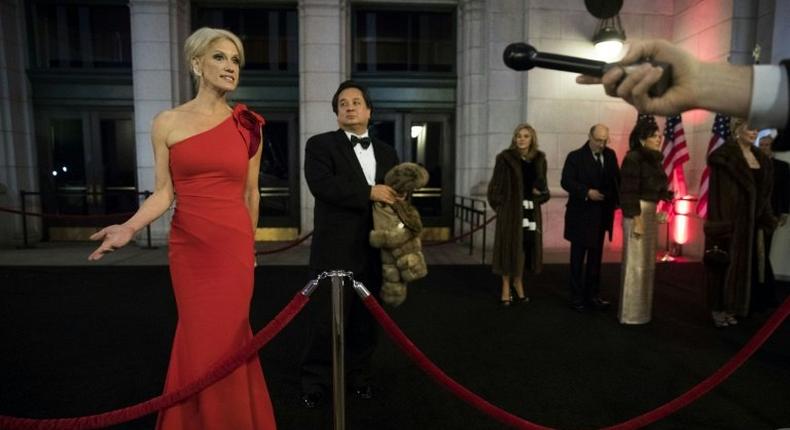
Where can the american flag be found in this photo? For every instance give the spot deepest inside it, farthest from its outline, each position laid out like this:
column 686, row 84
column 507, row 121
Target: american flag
column 675, row 153
column 721, row 131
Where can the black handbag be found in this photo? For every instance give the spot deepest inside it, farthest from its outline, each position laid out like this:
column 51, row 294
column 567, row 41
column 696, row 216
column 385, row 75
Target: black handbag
column 716, row 257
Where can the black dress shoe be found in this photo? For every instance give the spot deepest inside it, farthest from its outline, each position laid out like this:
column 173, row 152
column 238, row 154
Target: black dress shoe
column 312, row 399
column 578, row 307
column 521, row 300
column 363, row 392
column 599, row 303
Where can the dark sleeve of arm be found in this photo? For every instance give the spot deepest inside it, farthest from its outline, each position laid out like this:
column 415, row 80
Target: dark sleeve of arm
column 496, row 187
column 786, row 64
column 326, row 184
column 784, row 191
column 629, row 187
column 765, row 214
column 570, row 179
column 542, row 183
column 718, row 229
column 617, row 179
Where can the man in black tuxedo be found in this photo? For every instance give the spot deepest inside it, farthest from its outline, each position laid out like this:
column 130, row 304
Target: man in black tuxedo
column 345, row 172
column 591, row 177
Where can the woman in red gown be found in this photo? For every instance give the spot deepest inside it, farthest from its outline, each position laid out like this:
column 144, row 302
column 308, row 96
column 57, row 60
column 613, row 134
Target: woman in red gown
column 207, row 158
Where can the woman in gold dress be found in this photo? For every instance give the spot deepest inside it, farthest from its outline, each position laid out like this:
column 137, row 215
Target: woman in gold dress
column 644, row 183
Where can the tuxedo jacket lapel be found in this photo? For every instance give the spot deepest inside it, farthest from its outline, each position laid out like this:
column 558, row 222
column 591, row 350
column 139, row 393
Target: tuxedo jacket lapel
column 379, row 176
column 341, row 140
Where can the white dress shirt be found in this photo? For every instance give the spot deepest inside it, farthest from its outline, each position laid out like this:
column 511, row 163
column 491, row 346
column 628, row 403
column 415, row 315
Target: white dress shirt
column 769, row 104
column 366, row 157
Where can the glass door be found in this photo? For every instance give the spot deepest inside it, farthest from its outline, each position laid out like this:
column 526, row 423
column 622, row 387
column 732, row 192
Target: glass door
column 428, row 144
column 279, row 178
column 115, row 177
column 425, row 139
column 388, row 127
column 88, row 170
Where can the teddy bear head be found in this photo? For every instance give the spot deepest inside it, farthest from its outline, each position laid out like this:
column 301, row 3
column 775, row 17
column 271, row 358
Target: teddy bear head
column 406, row 177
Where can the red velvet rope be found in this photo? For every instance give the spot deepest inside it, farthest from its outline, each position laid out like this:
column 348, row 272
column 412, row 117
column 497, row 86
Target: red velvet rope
column 505, row 417
column 286, row 247
column 217, row 371
column 713, row 380
column 424, row 363
column 66, row 216
column 463, row 236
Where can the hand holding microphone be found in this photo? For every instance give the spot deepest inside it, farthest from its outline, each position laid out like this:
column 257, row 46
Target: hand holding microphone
column 654, row 76
column 520, row 56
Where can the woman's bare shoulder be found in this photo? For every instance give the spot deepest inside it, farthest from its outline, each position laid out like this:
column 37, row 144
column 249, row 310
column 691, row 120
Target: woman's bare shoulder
column 178, row 113
column 170, row 120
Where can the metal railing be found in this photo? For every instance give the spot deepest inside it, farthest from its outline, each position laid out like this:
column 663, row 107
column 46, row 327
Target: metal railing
column 89, row 198
column 468, row 210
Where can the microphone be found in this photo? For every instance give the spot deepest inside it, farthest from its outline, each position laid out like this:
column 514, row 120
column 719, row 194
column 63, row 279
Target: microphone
column 520, row 56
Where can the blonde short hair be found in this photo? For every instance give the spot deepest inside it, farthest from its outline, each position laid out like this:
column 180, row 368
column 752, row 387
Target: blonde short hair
column 198, row 43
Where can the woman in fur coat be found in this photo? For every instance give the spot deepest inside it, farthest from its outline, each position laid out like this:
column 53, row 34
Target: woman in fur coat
column 517, row 189
column 739, row 216
column 643, row 184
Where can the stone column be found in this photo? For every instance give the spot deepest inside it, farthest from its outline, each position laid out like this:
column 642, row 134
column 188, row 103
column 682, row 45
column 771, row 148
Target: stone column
column 18, row 165
column 322, row 66
column 744, row 33
column 471, row 112
column 491, row 97
column 159, row 28
column 780, row 49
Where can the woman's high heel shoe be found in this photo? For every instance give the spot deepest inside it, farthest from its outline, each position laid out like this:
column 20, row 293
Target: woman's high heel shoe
column 516, row 298
column 720, row 319
column 524, row 299
column 506, row 302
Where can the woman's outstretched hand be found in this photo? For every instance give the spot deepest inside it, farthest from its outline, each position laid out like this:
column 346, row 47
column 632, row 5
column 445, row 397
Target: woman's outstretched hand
column 112, row 237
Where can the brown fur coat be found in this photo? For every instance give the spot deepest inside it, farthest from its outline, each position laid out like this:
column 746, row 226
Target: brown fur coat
column 505, row 192
column 396, row 231
column 734, row 209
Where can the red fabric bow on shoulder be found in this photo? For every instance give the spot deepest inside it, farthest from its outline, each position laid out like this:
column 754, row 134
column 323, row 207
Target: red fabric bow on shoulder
column 249, row 125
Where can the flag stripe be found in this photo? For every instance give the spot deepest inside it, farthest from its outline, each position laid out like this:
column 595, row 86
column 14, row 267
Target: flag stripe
column 675, row 149
column 720, row 132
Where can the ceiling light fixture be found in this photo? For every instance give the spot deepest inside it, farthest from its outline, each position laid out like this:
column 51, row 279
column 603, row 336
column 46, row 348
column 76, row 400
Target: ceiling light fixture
column 609, row 37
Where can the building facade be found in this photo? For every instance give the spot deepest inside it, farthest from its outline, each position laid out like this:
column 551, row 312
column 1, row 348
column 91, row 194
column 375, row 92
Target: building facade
column 81, row 80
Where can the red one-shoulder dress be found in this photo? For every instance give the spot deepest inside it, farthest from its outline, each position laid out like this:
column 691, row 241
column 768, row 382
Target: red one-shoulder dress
column 212, row 268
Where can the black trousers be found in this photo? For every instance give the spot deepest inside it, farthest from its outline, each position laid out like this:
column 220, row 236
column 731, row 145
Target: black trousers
column 361, row 334
column 585, row 281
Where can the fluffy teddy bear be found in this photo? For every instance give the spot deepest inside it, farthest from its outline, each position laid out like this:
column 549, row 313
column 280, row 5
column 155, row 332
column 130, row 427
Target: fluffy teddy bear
column 396, row 231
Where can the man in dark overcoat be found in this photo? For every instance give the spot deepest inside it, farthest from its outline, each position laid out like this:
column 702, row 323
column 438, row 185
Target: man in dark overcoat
column 591, row 177
column 345, row 172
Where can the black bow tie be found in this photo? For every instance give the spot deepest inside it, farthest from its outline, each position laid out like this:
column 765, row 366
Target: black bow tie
column 364, row 141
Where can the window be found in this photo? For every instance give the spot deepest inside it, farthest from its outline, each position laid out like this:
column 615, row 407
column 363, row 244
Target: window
column 403, row 41
column 81, row 35
column 270, row 36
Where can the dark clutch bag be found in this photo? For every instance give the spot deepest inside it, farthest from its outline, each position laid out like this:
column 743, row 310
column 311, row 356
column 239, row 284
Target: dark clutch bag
column 716, row 257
